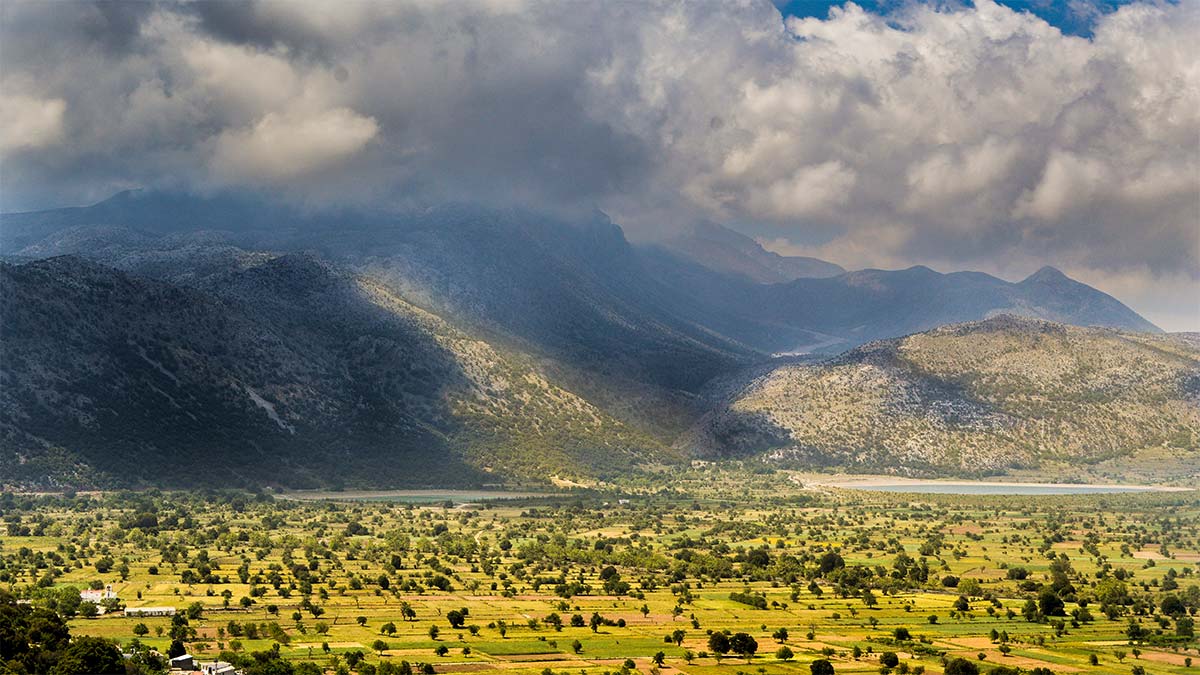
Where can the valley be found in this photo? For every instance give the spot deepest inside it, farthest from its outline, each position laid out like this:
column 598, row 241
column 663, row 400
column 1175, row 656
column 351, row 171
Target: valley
column 623, row 581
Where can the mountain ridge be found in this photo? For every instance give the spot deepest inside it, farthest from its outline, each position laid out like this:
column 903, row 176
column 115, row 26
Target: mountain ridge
column 971, row 399
column 728, row 251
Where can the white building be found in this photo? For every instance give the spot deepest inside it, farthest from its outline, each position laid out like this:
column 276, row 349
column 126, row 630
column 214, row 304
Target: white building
column 98, row 596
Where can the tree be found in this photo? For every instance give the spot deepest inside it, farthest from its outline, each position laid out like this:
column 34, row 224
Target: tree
column 176, row 649
column 379, row 646
column 821, row 667
column 361, row 620
column 784, row 653
column 889, row 659
column 433, row 632
column 1172, row 606
column 743, row 645
column 780, row 635
column 1049, row 604
column 141, row 630
column 658, row 658
column 960, row 666
column 576, row 646
column 718, row 644
column 677, row 636
column 89, row 656
column 868, row 598
column 69, row 601
column 388, row 628
column 456, row 618
column 830, row 562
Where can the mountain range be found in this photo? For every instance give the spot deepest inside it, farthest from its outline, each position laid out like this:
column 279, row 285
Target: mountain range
column 161, row 334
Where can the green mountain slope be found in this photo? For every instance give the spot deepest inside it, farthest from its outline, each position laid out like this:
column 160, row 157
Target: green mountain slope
column 974, row 398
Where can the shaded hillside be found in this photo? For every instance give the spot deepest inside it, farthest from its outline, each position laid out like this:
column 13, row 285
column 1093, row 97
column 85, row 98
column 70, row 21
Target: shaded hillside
column 970, row 399
column 724, row 250
column 288, row 371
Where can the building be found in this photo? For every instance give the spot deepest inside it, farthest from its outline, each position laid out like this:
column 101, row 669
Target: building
column 183, row 662
column 149, row 611
column 218, row 668
column 97, row 597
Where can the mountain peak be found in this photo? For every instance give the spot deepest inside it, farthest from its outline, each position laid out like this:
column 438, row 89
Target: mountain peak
column 1047, row 274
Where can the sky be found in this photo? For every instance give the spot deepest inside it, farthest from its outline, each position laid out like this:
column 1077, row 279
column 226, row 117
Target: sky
column 998, row 137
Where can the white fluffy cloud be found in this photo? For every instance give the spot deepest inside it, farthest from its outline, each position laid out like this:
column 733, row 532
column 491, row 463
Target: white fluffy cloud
column 976, row 137
column 28, row 122
column 283, row 146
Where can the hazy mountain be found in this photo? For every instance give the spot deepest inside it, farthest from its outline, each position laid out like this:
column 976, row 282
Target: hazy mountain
column 641, row 333
column 872, row 304
column 974, row 398
column 286, row 371
column 724, row 250
column 570, row 288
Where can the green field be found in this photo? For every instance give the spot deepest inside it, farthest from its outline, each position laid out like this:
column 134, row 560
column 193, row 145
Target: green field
column 1003, row 581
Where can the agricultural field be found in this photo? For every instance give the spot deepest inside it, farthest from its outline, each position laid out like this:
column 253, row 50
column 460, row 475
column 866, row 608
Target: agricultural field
column 715, row 573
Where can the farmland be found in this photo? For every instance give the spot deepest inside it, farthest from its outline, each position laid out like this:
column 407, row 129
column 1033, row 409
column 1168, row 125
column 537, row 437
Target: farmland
column 602, row 581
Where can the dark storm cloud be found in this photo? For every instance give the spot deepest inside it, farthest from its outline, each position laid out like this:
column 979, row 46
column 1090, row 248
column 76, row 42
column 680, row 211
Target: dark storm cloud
column 960, row 136
column 251, row 23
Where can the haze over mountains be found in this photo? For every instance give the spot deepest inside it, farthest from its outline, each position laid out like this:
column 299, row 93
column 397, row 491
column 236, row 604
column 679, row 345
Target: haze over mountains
column 457, row 344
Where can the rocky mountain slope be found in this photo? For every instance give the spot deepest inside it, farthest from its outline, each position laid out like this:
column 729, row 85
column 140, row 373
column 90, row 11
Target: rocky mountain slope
column 285, row 371
column 969, row 399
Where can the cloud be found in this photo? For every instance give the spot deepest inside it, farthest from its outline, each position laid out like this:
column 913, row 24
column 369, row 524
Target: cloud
column 809, row 191
column 283, row 146
column 27, row 122
column 961, row 136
